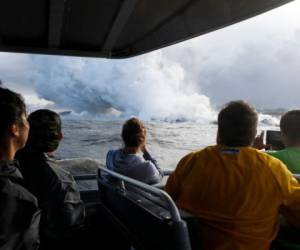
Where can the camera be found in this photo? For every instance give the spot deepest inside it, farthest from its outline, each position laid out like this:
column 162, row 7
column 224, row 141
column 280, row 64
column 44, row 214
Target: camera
column 273, row 138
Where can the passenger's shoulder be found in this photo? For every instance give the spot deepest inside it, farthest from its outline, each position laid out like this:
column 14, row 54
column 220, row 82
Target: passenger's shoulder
column 33, row 162
column 47, row 168
column 204, row 152
column 187, row 157
column 15, row 190
column 114, row 151
column 111, row 151
column 57, row 170
column 194, row 156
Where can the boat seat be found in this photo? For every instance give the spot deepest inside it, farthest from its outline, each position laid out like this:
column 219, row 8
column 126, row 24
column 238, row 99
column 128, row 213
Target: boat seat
column 143, row 214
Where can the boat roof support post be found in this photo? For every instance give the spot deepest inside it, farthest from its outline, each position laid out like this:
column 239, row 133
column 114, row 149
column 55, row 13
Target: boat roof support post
column 118, row 25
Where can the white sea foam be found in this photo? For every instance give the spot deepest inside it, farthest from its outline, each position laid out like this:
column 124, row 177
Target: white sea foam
column 268, row 120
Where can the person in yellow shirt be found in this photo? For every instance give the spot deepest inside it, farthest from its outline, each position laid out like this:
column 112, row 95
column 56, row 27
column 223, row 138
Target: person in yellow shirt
column 235, row 190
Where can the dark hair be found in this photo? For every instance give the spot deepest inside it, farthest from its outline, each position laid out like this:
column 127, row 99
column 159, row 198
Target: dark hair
column 45, row 130
column 237, row 123
column 12, row 107
column 131, row 132
column 290, row 125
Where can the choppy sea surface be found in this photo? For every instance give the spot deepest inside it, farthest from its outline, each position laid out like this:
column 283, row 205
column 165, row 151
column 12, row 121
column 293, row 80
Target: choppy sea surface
column 168, row 142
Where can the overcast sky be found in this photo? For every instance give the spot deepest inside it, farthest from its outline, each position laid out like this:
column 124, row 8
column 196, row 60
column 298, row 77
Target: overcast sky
column 257, row 60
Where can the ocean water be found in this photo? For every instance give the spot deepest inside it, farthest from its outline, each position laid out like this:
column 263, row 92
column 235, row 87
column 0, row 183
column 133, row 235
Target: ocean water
column 168, row 142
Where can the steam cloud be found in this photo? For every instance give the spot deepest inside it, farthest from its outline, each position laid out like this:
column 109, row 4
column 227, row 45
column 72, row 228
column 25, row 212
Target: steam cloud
column 151, row 87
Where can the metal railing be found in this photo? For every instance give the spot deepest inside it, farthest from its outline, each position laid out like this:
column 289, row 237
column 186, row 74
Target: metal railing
column 86, row 177
column 175, row 216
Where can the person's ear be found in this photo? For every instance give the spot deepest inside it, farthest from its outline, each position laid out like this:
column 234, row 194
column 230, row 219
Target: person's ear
column 14, row 129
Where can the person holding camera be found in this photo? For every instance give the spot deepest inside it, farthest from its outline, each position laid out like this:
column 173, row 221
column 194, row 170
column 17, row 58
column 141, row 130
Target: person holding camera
column 290, row 136
column 134, row 160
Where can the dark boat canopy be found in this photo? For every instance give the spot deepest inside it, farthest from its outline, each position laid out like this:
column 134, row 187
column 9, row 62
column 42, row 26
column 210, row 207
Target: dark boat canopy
column 115, row 28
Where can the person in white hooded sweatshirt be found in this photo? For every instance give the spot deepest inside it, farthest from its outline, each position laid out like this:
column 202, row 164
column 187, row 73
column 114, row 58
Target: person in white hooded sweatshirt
column 133, row 160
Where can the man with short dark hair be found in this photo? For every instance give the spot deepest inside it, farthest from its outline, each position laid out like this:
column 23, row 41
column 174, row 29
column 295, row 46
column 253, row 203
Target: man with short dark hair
column 19, row 214
column 57, row 193
column 237, row 124
column 234, row 189
column 134, row 159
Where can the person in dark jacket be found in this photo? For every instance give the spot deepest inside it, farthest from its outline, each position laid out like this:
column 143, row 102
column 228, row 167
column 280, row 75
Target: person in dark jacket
column 134, row 160
column 19, row 213
column 59, row 199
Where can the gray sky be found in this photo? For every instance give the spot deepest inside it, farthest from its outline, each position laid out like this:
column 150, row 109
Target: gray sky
column 257, row 60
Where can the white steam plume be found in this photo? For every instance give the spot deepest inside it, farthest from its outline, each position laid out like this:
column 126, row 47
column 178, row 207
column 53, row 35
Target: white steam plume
column 150, row 87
